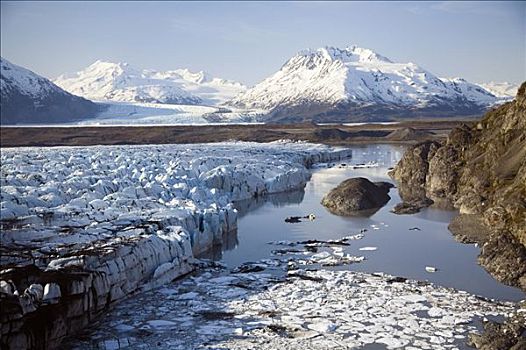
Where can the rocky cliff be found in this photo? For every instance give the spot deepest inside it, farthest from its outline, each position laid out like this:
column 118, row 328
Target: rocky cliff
column 481, row 170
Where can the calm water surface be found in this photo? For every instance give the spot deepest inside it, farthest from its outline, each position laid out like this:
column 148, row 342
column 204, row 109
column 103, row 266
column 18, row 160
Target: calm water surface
column 400, row 252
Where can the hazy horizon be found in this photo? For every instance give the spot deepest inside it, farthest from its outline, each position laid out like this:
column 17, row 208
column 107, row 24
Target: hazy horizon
column 247, row 41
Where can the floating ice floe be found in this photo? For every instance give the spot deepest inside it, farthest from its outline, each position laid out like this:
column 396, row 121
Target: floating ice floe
column 303, row 309
column 368, row 248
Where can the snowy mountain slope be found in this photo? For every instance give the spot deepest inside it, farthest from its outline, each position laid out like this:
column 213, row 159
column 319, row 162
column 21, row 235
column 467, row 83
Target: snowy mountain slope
column 29, row 98
column 121, row 82
column 356, row 83
column 504, row 89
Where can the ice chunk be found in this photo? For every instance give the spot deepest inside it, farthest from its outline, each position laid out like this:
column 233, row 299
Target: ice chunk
column 368, row 248
column 51, row 292
column 162, row 324
column 322, row 326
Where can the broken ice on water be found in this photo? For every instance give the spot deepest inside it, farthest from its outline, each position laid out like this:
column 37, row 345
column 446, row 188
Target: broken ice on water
column 295, row 310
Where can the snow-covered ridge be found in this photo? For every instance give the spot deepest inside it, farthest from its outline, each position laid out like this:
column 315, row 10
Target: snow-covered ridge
column 349, row 54
column 117, row 81
column 27, row 82
column 128, row 218
column 359, row 77
column 503, row 89
column 30, row 98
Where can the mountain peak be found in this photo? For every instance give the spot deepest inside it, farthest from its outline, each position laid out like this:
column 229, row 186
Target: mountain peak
column 196, row 77
column 110, row 66
column 108, row 63
column 332, row 80
column 350, row 53
column 501, row 89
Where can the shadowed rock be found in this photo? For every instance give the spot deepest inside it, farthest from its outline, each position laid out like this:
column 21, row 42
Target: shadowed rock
column 507, row 335
column 410, row 175
column 411, row 207
column 356, row 195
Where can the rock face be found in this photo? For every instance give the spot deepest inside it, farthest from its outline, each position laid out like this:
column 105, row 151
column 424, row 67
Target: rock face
column 355, row 195
column 481, row 170
column 29, row 98
column 410, row 173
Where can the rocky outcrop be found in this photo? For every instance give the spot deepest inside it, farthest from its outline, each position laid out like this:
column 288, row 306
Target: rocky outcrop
column 507, row 335
column 410, row 174
column 481, row 170
column 355, row 195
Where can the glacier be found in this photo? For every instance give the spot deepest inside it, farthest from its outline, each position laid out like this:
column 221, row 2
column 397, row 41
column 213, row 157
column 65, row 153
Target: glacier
column 84, row 227
column 144, row 113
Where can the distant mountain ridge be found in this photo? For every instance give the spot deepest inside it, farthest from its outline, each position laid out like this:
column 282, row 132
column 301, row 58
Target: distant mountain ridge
column 30, row 98
column 323, row 85
column 117, row 81
column 502, row 89
column 350, row 84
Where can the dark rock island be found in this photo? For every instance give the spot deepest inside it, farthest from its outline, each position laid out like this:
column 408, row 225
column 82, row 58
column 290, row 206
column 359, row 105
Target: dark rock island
column 356, row 195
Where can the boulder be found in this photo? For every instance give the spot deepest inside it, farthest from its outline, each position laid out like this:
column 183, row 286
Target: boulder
column 356, row 194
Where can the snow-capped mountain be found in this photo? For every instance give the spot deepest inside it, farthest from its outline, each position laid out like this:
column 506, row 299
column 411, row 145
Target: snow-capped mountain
column 504, row 89
column 331, row 84
column 30, row 98
column 108, row 81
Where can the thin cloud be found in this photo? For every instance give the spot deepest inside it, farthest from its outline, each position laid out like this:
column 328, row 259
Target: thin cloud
column 471, row 7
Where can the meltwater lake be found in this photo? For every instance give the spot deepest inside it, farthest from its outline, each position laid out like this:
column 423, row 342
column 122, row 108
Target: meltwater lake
column 400, row 250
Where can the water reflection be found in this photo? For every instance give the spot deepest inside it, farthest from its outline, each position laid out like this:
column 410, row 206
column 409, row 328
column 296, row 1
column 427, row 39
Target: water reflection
column 229, row 242
column 276, row 199
column 366, row 213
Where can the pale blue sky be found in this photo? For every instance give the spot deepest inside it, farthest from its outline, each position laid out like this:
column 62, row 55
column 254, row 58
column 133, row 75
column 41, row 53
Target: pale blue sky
column 247, row 41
